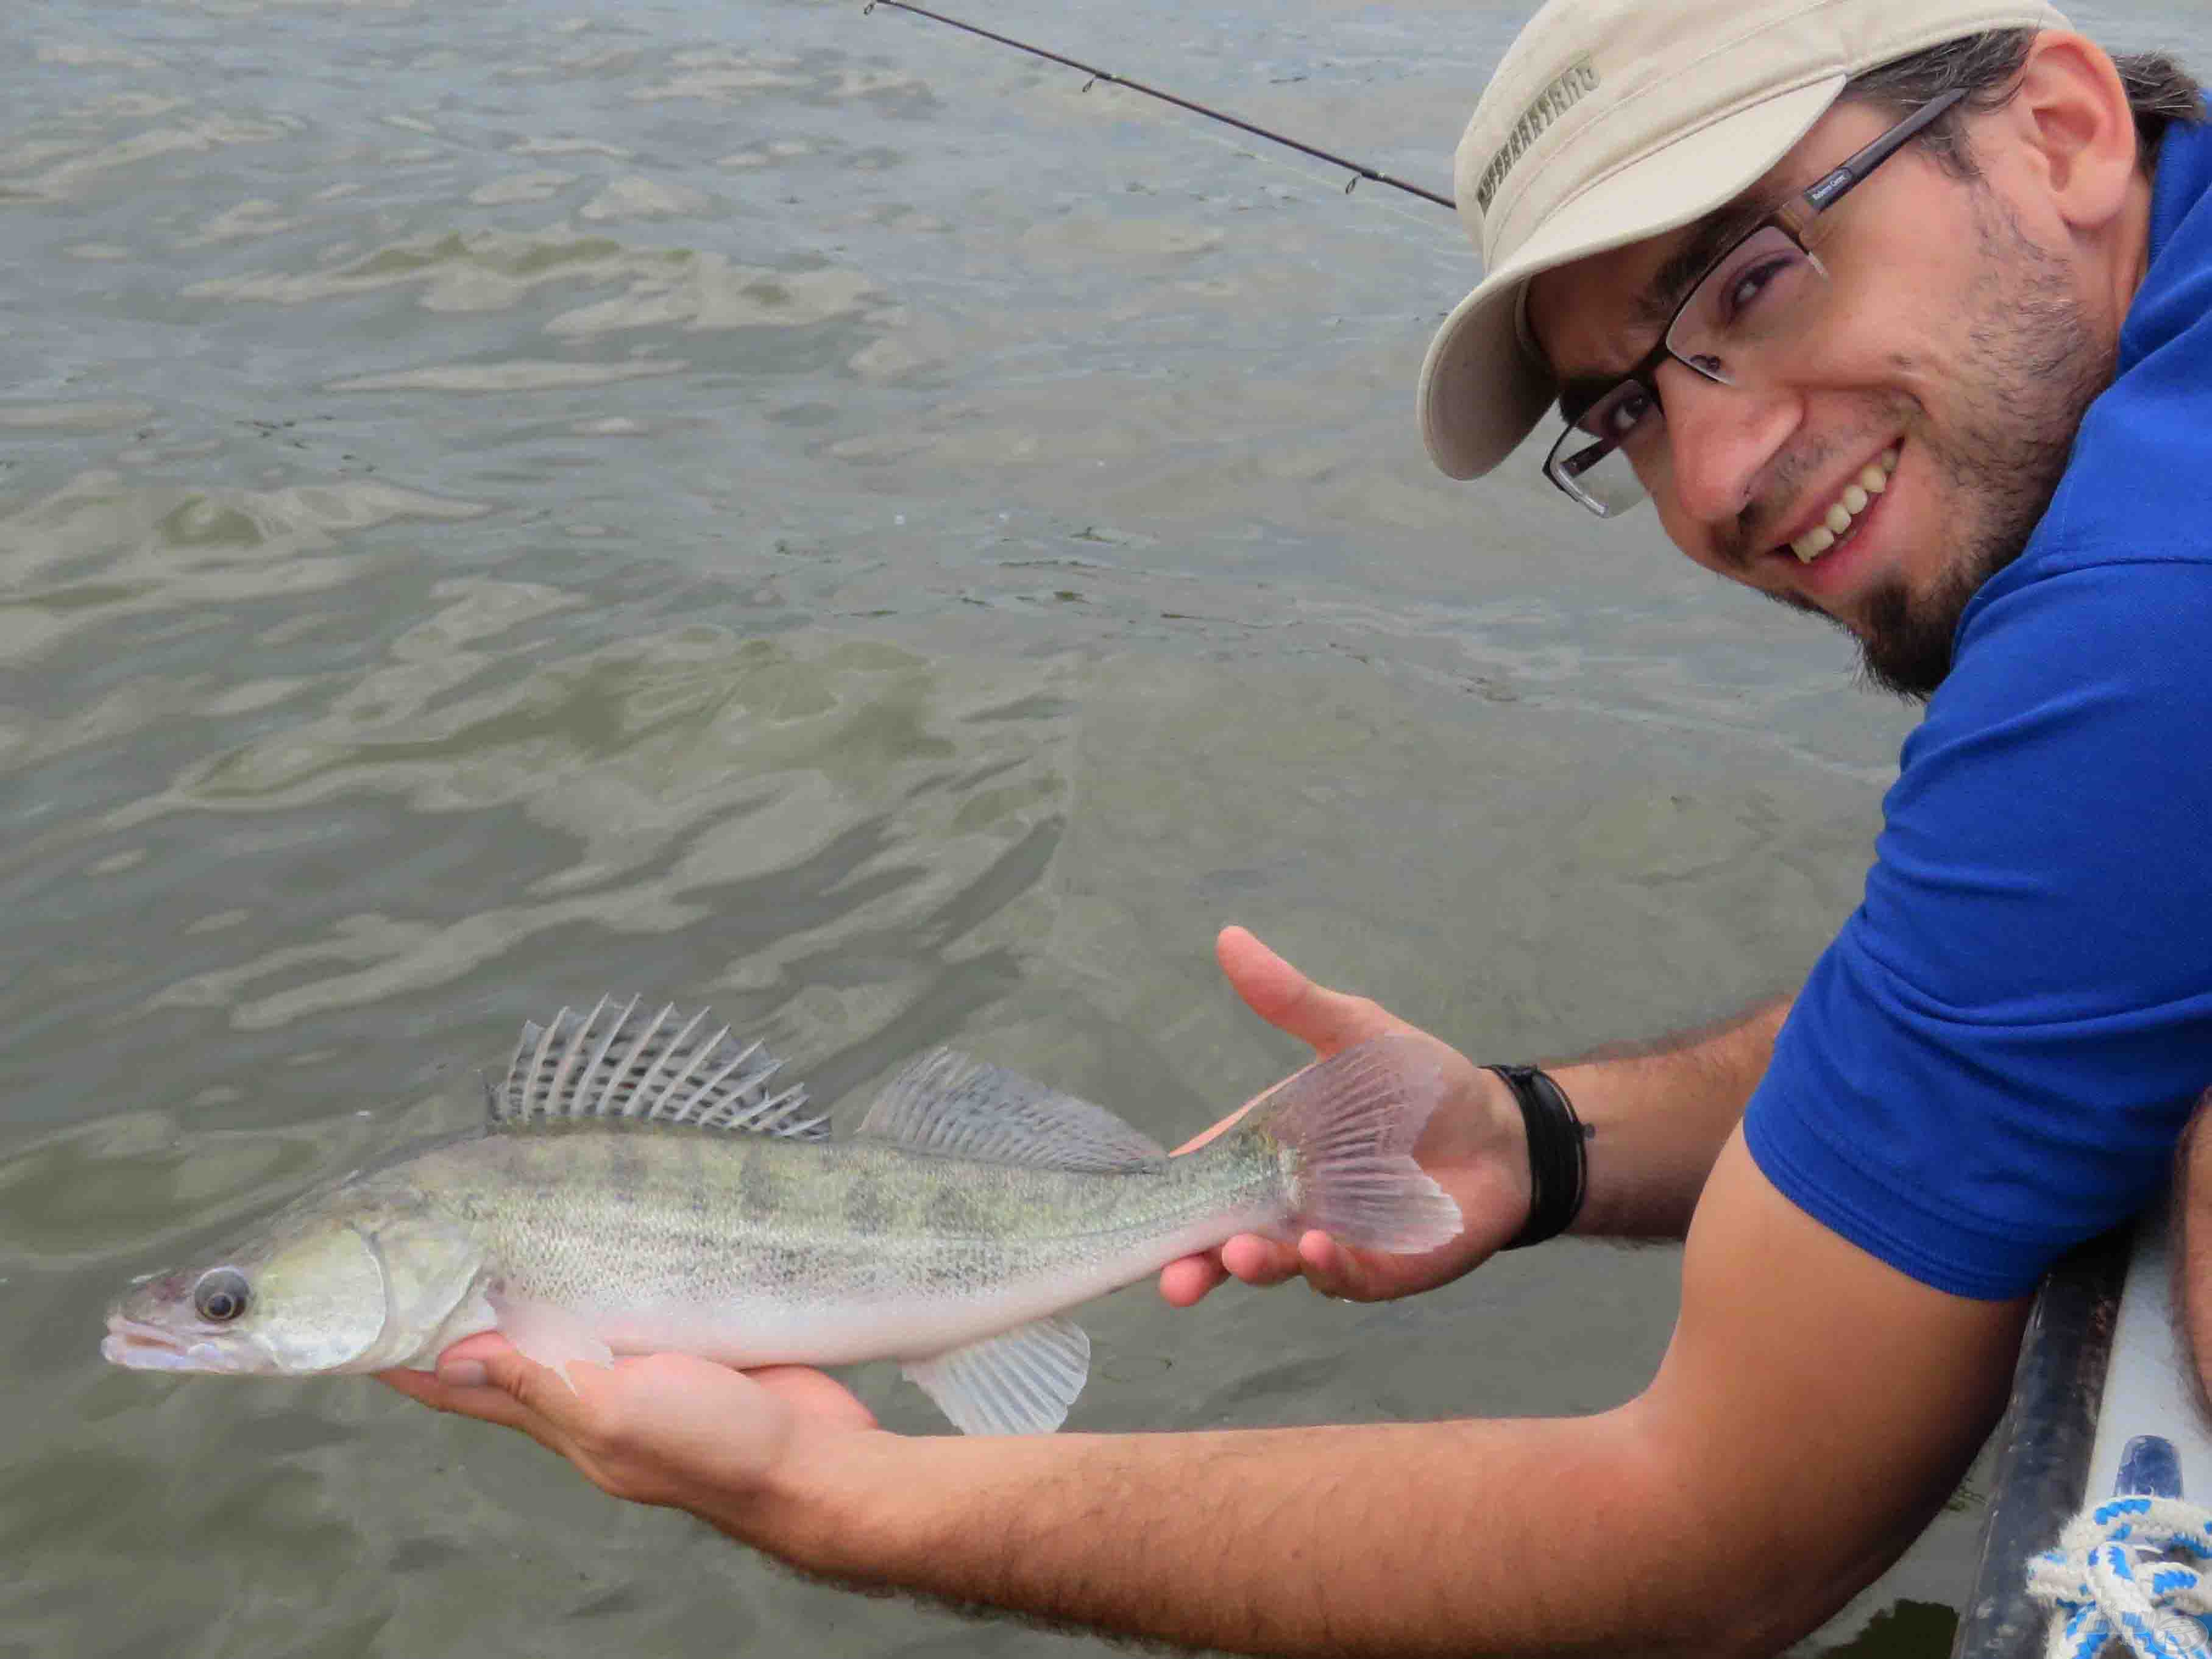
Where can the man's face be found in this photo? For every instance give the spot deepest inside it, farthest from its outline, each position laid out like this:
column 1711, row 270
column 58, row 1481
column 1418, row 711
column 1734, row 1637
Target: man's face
column 1954, row 357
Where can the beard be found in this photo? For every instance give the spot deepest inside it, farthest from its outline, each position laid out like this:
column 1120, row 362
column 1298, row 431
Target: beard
column 2031, row 366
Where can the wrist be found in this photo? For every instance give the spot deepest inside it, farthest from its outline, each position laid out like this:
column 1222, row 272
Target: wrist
column 799, row 1503
column 874, row 1508
column 1505, row 1161
column 1557, row 1163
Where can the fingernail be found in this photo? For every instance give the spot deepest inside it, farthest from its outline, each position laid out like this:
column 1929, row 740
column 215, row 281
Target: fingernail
column 464, row 1374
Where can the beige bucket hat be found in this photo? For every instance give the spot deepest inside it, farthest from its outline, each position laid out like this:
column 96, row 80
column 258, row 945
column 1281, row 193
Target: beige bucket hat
column 1613, row 120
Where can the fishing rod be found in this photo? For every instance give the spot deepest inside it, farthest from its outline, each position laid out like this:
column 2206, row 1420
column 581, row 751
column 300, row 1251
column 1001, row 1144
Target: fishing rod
column 1357, row 169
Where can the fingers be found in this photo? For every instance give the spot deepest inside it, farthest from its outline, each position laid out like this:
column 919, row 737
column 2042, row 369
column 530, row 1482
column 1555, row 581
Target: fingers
column 465, row 1364
column 1284, row 997
column 1335, row 1272
column 1250, row 1258
column 1288, row 1001
column 479, row 1401
column 486, row 1376
column 1204, row 1135
column 1185, row 1282
column 1260, row 1261
column 1327, row 1265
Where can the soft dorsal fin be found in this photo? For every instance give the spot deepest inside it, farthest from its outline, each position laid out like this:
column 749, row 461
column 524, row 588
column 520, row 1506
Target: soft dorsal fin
column 616, row 1062
column 947, row 1103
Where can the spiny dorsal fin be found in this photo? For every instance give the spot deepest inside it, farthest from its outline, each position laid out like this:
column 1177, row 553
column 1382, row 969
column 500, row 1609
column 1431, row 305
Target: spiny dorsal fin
column 947, row 1103
column 615, row 1062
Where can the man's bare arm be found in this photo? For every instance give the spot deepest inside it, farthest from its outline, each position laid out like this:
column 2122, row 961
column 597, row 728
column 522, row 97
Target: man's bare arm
column 1657, row 1117
column 1815, row 1408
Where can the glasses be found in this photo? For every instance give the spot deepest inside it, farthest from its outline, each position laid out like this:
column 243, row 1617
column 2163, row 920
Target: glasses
column 1739, row 321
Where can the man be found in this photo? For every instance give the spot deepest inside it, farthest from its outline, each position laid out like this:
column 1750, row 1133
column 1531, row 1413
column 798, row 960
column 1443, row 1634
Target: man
column 1896, row 310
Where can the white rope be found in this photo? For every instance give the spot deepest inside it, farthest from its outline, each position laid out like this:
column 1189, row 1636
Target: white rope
column 2129, row 1572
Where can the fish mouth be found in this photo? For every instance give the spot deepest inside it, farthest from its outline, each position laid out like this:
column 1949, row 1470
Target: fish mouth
column 136, row 1346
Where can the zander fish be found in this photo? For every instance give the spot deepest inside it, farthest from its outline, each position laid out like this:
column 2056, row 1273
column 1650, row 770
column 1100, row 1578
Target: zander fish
column 636, row 1191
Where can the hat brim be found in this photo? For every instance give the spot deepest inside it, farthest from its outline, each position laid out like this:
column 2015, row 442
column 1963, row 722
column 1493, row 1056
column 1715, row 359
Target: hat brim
column 1481, row 390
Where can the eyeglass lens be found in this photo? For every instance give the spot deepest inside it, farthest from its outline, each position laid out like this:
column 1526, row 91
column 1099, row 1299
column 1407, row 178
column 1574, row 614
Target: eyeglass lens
column 1764, row 299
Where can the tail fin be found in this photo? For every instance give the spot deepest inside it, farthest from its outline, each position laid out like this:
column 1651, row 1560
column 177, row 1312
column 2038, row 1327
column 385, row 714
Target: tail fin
column 1351, row 1122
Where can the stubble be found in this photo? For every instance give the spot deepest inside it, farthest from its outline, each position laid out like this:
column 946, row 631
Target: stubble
column 2030, row 367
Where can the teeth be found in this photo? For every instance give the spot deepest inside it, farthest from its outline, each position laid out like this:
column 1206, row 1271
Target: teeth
column 1847, row 506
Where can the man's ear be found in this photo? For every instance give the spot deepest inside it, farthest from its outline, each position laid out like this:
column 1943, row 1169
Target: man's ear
column 2074, row 131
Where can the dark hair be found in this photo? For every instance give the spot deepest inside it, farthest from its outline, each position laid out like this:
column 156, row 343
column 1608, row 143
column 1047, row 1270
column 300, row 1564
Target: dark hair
column 1988, row 66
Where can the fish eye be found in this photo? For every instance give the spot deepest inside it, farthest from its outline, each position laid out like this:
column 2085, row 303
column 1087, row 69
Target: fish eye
column 220, row 1295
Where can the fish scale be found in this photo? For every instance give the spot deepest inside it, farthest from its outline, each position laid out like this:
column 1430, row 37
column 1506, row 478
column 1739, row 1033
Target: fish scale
column 637, row 1189
column 548, row 1200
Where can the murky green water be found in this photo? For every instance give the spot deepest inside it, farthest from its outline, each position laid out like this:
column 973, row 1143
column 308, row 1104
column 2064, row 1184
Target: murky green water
column 761, row 504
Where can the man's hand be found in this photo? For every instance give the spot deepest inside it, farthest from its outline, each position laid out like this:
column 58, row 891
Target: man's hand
column 664, row 1429
column 1475, row 1147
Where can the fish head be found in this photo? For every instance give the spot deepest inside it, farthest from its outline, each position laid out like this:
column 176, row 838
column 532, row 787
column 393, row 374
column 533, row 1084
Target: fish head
column 333, row 1284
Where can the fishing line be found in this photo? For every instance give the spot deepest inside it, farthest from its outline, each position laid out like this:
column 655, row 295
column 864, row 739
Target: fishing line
column 1357, row 169
column 1391, row 204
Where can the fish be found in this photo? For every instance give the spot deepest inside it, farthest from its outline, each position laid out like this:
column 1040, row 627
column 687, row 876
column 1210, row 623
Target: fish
column 638, row 1188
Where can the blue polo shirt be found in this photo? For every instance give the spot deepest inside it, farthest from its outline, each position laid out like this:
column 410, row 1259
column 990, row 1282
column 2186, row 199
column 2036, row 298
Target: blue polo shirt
column 1993, row 1059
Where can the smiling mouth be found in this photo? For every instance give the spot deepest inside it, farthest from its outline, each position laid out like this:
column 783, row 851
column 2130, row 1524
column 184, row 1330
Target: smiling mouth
column 1837, row 524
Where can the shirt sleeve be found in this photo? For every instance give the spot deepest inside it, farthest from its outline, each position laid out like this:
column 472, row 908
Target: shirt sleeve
column 1993, row 1059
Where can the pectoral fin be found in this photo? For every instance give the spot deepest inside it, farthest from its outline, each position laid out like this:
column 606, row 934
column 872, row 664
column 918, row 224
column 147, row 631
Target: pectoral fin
column 550, row 1335
column 1020, row 1381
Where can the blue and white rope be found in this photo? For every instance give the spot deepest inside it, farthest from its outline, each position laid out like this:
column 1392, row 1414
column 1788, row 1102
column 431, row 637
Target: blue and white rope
column 2111, row 1580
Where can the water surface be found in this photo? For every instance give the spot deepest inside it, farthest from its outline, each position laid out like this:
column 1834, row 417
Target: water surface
column 809, row 512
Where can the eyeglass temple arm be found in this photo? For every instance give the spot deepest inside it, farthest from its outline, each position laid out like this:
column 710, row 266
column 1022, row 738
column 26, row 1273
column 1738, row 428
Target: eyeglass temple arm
column 1849, row 173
